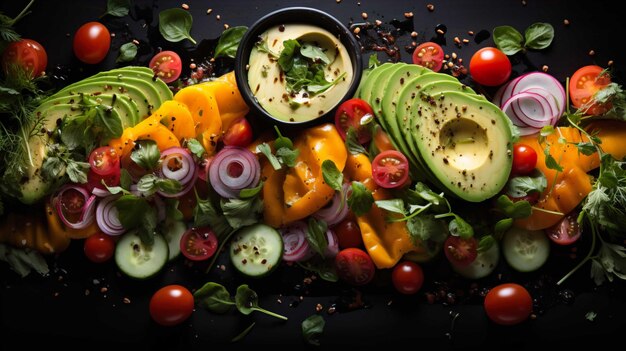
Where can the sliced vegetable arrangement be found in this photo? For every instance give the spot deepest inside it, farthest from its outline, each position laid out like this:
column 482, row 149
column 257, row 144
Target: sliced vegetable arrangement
column 144, row 171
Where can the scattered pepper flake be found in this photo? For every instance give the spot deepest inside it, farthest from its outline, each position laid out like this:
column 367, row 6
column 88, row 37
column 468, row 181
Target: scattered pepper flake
column 465, row 41
column 470, row 32
column 413, row 34
column 185, row 6
column 104, row 289
column 610, row 63
column 592, row 52
column 566, row 22
column 441, row 31
column 208, row 11
column 135, row 41
column 430, row 7
column 357, row 30
column 126, row 300
column 218, row 17
column 378, row 23
column 408, row 15
column 318, row 307
column 226, row 26
column 545, row 68
column 364, row 15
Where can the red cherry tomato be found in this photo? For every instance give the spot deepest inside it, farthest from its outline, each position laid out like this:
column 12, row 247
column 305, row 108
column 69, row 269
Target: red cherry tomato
column 524, row 159
column 460, row 251
column 99, row 247
column 349, row 114
column 104, row 160
column 171, row 305
column 355, row 266
column 429, row 55
column 167, row 65
column 348, row 233
column 490, row 66
column 238, row 134
column 92, row 42
column 508, row 304
column 407, row 277
column 566, row 231
column 584, row 84
column 198, row 244
column 28, row 54
column 390, row 169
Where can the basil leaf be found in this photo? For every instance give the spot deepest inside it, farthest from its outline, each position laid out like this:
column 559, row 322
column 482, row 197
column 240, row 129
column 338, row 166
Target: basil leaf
column 352, row 142
column 360, row 200
column 251, row 192
column 117, row 8
column 128, row 52
column 373, row 61
column 206, row 214
column 285, row 60
column 313, row 52
column 332, row 175
column 287, row 156
column 125, row 179
column 266, row 150
column 195, row 147
column 539, row 36
column 104, row 121
column 459, row 227
column 229, row 41
column 423, row 228
column 586, row 148
column 518, row 209
column 136, row 213
column 551, row 163
column 77, row 171
column 392, row 205
column 524, row 185
column 247, row 301
column 502, row 226
column 485, row 243
column 324, row 268
column 316, row 235
column 146, row 154
column 242, row 212
column 312, row 328
column 175, row 25
column 282, row 141
column 214, row 297
column 508, row 39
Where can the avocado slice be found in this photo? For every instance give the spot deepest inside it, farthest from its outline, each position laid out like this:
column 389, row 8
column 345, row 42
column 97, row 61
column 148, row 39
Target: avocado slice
column 371, row 81
column 466, row 142
column 381, row 87
column 144, row 73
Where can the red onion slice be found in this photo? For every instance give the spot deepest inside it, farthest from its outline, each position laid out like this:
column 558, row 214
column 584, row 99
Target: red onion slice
column 335, row 211
column 183, row 167
column 544, row 81
column 333, row 244
column 296, row 245
column 528, row 111
column 107, row 217
column 234, row 169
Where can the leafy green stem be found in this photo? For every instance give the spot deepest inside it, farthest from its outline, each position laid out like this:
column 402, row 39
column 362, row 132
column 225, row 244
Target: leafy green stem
column 219, row 249
column 270, row 313
column 594, row 234
column 23, row 13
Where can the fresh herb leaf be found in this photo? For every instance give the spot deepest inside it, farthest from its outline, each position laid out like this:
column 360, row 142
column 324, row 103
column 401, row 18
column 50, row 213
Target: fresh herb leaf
column 539, row 36
column 332, row 175
column 128, row 52
column 518, row 209
column 285, row 60
column 316, row 235
column 352, row 142
column 373, row 61
column 287, row 156
column 360, row 200
column 502, row 226
column 551, row 162
column 247, row 301
column 508, row 40
column 243, row 334
column 315, row 53
column 262, row 46
column 7, row 32
column 77, row 171
column 266, row 150
column 586, row 148
column 485, row 243
column 214, row 297
column 151, row 183
column 196, row 148
column 242, row 212
column 459, row 227
column 424, row 228
column 206, row 214
column 324, row 268
column 229, row 42
column 251, row 192
column 524, row 185
column 146, row 154
column 591, row 316
column 312, row 328
column 175, row 25
column 392, row 205
column 136, row 213
column 282, row 141
column 117, row 8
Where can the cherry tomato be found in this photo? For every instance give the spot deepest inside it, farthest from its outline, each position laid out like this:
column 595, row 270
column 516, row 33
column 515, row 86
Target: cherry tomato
column 198, row 244
column 104, row 160
column 390, row 169
column 348, row 233
column 407, row 277
column 490, row 66
column 460, row 251
column 524, row 159
column 429, row 55
column 381, row 140
column 92, row 42
column 355, row 266
column 238, row 134
column 171, row 305
column 99, row 247
column 566, row 231
column 349, row 114
column 27, row 53
column 167, row 65
column 584, row 84
column 508, row 304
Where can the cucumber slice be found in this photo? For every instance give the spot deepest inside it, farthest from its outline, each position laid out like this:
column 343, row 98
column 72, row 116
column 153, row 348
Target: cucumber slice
column 525, row 250
column 256, row 250
column 174, row 231
column 137, row 260
column 483, row 265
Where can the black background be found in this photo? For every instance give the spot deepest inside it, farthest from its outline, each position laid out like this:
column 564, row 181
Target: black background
column 58, row 312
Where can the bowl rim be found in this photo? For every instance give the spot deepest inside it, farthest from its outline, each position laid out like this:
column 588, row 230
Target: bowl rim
column 340, row 31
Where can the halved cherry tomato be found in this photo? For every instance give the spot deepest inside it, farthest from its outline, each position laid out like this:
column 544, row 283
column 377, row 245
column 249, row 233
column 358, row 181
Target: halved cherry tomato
column 198, row 244
column 166, row 65
column 348, row 233
column 508, row 304
column 429, row 55
column 490, row 66
column 355, row 266
column 104, row 160
column 27, row 53
column 584, row 84
column 171, row 305
column 99, row 247
column 238, row 134
column 407, row 277
column 349, row 114
column 72, row 204
column 92, row 42
column 567, row 231
column 460, row 251
column 524, row 159
column 390, row 169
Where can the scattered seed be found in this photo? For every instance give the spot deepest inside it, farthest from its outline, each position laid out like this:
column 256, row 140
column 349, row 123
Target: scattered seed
column 450, row 64
column 566, row 22
column 126, row 300
column 470, row 32
column 307, row 281
column 104, row 289
column 610, row 63
column 390, row 302
column 208, row 11
column 192, row 66
column 218, row 17
column 56, row 294
column 460, row 60
column 301, row 298
column 226, row 26
column 592, row 52
column 457, row 40
column 430, row 7
column 357, row 30
column 87, row 292
column 112, row 35
column 545, row 68
column 378, row 23
column 318, row 307
column 414, row 34
column 279, row 300
column 331, row 309
column 465, row 41
column 337, row 1
column 408, row 15
column 185, row 6
column 364, row 15
column 524, row 2
column 454, row 56
column 135, row 41
column 413, row 44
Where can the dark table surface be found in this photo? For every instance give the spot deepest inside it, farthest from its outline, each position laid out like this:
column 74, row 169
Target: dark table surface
column 92, row 305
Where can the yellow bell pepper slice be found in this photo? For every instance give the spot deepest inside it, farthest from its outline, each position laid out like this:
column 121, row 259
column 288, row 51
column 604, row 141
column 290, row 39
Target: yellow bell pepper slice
column 206, row 115
column 177, row 118
column 229, row 101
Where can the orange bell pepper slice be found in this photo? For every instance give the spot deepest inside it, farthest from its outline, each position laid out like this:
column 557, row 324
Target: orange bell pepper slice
column 177, row 118
column 206, row 115
column 229, row 101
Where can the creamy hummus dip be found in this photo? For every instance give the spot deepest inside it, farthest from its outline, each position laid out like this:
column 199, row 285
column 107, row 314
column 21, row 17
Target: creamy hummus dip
column 269, row 84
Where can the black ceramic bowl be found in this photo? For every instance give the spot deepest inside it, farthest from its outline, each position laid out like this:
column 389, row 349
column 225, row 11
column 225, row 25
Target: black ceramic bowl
column 295, row 15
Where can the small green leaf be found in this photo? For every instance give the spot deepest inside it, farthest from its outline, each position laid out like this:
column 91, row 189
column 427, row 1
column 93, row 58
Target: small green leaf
column 424, row 228
column 128, row 52
column 352, row 142
column 546, row 130
column 551, row 162
column 287, row 156
column 524, row 185
column 242, row 212
column 539, row 36
column 508, row 39
column 266, row 150
column 196, row 148
column 251, row 192
column 459, row 227
column 214, row 297
column 146, row 154
column 332, row 175
column 118, row 8
column 175, row 25
column 518, row 209
column 282, row 141
column 312, row 328
column 502, row 226
column 316, row 235
column 373, row 61
column 485, row 243
column 314, row 53
column 392, row 205
column 247, row 301
column 286, row 59
column 360, row 200
column 586, row 148
column 229, row 41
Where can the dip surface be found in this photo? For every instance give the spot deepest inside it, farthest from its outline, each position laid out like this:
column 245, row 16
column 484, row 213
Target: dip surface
column 268, row 83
